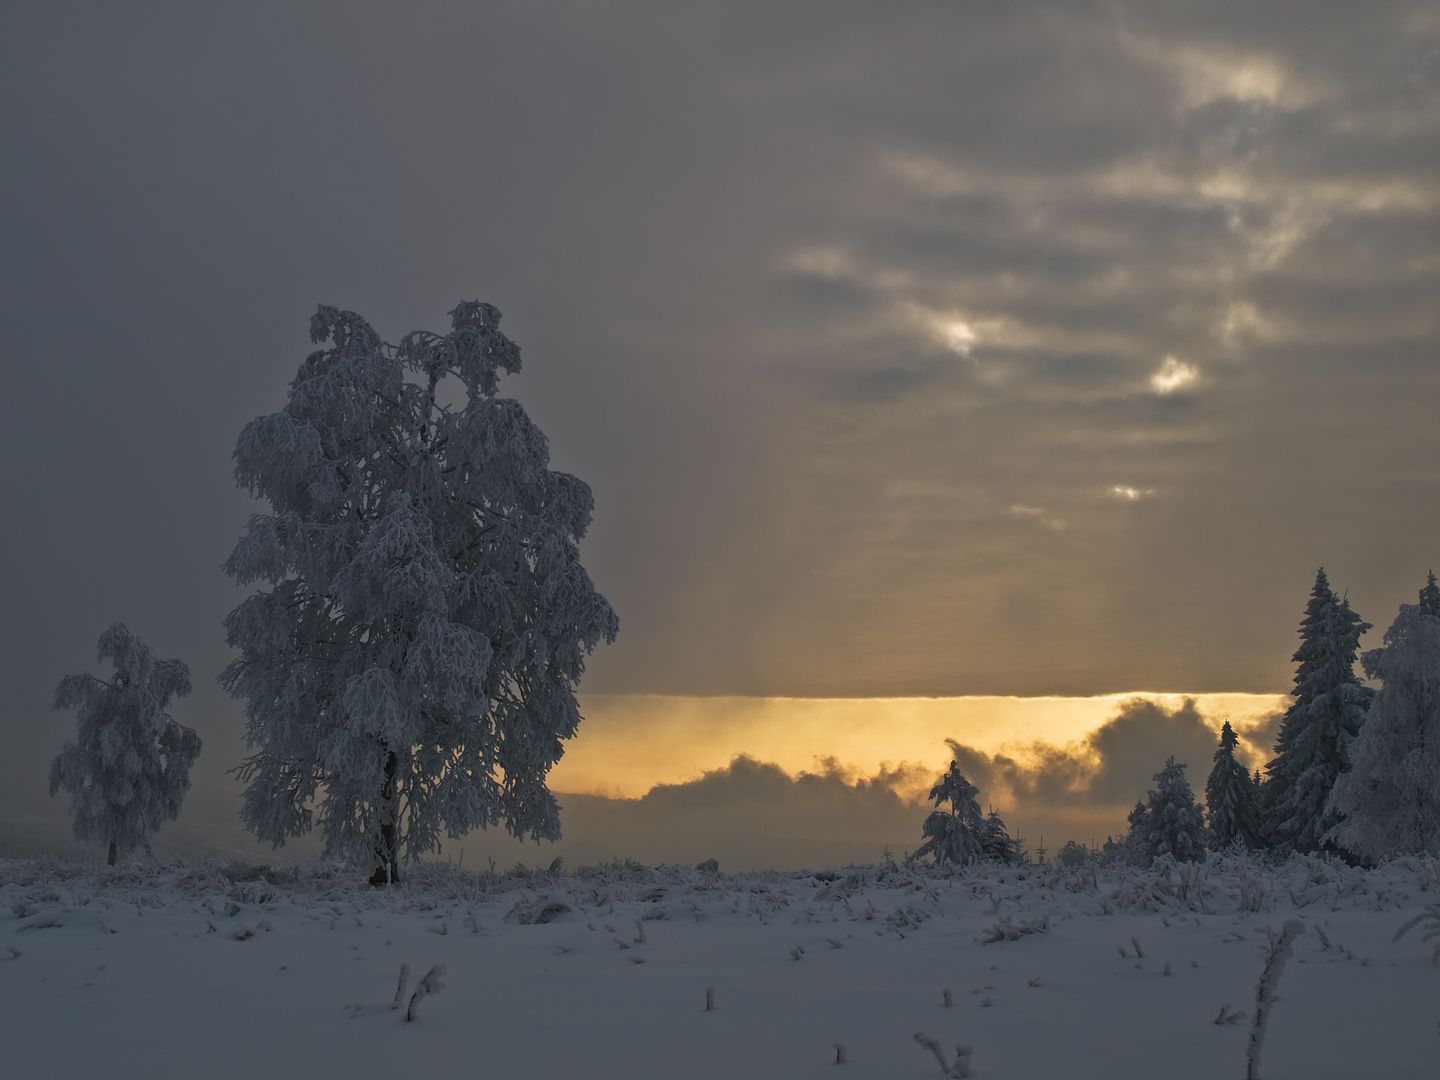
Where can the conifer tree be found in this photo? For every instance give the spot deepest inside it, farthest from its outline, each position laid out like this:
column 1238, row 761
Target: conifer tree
column 953, row 835
column 1430, row 597
column 412, row 663
column 129, row 768
column 1388, row 802
column 1315, row 735
column 995, row 840
column 1173, row 824
column 1137, row 836
column 1230, row 797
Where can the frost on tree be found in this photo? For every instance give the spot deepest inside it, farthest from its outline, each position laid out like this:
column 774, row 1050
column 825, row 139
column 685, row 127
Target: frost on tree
column 410, row 666
column 1315, row 735
column 128, row 769
column 1389, row 800
column 1230, row 798
column 1169, row 823
column 995, row 840
column 961, row 833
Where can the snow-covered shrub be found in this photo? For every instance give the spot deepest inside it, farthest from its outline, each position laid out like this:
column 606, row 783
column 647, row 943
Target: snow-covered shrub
column 1072, row 855
column 412, row 661
column 1009, row 929
column 129, row 768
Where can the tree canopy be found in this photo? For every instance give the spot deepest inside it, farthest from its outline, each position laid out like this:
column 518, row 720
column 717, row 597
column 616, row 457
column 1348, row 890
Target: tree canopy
column 128, row 769
column 409, row 667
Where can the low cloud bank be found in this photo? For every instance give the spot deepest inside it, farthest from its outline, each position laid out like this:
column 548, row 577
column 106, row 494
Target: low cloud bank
column 753, row 814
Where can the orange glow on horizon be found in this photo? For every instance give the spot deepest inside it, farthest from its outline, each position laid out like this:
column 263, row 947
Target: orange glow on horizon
column 630, row 743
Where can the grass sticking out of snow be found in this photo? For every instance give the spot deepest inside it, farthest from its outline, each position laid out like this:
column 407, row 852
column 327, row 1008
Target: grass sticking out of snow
column 229, row 970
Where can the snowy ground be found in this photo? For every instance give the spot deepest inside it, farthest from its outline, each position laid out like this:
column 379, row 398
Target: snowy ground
column 220, row 970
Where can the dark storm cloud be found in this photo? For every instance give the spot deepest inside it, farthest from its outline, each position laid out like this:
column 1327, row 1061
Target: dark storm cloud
column 910, row 348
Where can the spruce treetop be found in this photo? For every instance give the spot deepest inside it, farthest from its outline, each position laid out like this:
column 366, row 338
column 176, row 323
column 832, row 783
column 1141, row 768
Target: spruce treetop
column 1430, row 597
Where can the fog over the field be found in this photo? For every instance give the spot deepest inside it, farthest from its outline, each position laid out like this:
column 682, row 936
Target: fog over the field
column 910, row 349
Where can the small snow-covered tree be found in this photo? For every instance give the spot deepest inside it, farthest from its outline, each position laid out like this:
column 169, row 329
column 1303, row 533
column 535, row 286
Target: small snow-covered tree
column 1230, row 797
column 128, row 770
column 1388, row 802
column 995, row 840
column 1315, row 735
column 1171, row 823
column 1137, row 836
column 954, row 835
column 412, row 663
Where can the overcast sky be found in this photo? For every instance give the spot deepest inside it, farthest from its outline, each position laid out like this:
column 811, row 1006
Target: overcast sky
column 909, row 348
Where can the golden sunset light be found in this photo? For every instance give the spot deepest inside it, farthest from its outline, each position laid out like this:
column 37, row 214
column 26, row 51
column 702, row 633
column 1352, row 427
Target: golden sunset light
column 634, row 742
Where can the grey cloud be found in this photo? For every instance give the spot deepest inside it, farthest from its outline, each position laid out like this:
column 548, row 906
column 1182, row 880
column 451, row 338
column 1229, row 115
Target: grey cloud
column 747, row 815
column 1103, row 775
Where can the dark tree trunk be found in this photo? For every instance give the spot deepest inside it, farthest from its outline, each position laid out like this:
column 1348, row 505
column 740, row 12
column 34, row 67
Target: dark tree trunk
column 386, row 855
column 114, row 852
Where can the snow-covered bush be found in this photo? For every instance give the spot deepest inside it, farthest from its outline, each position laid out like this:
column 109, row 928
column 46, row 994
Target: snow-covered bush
column 1072, row 855
column 413, row 661
column 129, row 768
column 1389, row 800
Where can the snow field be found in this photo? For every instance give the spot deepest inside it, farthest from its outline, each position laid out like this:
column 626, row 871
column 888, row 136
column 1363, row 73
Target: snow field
column 148, row 971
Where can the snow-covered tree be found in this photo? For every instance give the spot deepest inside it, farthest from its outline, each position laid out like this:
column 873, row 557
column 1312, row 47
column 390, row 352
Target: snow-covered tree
column 995, row 840
column 1230, row 797
column 1136, row 836
column 129, row 768
column 955, row 835
column 1169, row 822
column 412, row 663
column 1388, row 802
column 1430, row 597
column 1315, row 735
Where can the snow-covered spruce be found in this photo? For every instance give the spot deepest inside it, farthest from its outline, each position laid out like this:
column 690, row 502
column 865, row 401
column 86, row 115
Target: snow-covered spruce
column 1230, row 798
column 129, row 768
column 413, row 660
column 960, row 834
column 1315, row 735
column 1388, row 803
column 1169, row 823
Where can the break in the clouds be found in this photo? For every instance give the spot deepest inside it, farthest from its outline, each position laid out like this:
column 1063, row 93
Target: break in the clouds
column 910, row 349
column 753, row 813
